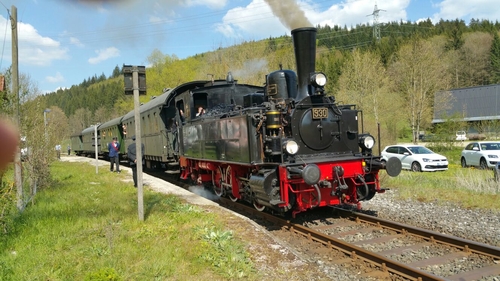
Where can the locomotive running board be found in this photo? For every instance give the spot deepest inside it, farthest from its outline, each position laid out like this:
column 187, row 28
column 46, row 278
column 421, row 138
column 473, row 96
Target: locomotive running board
column 172, row 171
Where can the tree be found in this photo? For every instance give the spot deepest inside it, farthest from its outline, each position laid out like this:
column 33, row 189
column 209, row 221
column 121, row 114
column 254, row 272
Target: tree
column 495, row 60
column 57, row 125
column 474, row 57
column 102, row 114
column 82, row 119
column 35, row 167
column 365, row 83
column 418, row 74
column 116, row 72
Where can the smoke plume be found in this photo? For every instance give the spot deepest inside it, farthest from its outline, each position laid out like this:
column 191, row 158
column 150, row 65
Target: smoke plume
column 289, row 13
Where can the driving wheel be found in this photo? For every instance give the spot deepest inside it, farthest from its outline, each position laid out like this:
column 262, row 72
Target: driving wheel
column 217, row 182
column 258, row 206
column 229, row 181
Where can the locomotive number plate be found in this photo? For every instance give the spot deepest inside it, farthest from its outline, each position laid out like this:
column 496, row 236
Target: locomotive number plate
column 319, row 112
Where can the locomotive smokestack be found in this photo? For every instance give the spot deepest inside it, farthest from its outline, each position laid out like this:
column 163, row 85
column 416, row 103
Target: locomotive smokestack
column 304, row 43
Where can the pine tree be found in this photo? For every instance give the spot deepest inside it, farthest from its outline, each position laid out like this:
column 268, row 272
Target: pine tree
column 495, row 60
column 116, row 72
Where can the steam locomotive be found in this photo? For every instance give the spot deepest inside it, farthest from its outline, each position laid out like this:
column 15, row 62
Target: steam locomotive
column 285, row 147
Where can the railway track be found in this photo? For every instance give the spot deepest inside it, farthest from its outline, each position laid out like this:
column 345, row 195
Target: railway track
column 391, row 250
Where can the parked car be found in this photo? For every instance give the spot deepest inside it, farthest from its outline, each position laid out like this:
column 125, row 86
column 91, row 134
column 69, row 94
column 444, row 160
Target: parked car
column 461, row 136
column 24, row 149
column 416, row 158
column 483, row 154
column 429, row 138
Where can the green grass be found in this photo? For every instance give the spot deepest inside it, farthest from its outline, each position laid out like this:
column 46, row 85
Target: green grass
column 468, row 187
column 86, row 227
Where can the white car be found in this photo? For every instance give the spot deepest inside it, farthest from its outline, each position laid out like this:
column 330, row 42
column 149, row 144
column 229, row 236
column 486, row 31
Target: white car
column 461, row 136
column 417, row 158
column 483, row 154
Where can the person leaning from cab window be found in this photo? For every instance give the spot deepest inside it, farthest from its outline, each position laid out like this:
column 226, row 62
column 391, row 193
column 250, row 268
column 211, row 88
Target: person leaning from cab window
column 181, row 116
column 173, row 128
column 201, row 111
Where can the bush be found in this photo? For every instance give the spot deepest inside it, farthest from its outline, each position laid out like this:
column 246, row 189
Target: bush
column 8, row 208
column 103, row 274
column 477, row 137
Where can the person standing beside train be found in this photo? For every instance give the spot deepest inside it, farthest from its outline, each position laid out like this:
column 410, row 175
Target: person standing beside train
column 132, row 158
column 58, row 151
column 114, row 154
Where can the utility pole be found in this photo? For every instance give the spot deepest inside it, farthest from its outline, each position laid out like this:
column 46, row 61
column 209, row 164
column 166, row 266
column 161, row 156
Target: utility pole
column 376, row 25
column 134, row 78
column 138, row 143
column 96, row 149
column 18, row 178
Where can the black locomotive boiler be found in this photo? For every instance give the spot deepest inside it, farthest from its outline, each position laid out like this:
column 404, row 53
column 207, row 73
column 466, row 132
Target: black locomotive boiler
column 286, row 146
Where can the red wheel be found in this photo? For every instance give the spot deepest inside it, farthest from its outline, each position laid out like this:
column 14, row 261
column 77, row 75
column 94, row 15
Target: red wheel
column 217, row 182
column 258, row 206
column 229, row 184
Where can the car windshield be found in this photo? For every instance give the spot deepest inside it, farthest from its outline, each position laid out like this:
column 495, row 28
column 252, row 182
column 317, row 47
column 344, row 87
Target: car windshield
column 490, row 146
column 420, row 150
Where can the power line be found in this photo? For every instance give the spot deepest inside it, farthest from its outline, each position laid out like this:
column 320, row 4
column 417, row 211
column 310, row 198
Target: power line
column 376, row 28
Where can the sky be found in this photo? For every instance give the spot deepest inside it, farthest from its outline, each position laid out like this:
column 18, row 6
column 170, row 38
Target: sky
column 63, row 42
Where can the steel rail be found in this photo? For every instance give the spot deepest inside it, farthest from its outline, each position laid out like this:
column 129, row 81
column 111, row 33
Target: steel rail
column 432, row 236
column 385, row 264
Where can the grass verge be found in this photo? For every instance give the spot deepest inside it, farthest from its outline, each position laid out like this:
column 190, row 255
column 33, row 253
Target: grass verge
column 86, row 227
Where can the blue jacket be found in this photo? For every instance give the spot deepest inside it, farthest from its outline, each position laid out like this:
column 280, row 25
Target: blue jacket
column 114, row 151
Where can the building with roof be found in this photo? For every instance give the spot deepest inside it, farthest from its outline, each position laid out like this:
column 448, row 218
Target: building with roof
column 474, row 104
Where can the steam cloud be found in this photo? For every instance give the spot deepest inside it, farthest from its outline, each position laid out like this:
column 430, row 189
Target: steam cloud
column 200, row 190
column 289, row 13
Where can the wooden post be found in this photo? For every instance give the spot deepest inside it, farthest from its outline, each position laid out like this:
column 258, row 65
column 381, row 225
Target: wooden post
column 18, row 177
column 138, row 143
column 134, row 78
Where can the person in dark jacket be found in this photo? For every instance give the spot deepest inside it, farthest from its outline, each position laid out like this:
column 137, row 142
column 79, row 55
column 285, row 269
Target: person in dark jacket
column 132, row 158
column 114, row 154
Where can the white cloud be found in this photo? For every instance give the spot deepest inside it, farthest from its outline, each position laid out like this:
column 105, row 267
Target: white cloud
column 75, row 41
column 55, row 79
column 254, row 19
column 34, row 49
column 104, row 54
column 257, row 18
column 156, row 19
column 464, row 9
column 213, row 4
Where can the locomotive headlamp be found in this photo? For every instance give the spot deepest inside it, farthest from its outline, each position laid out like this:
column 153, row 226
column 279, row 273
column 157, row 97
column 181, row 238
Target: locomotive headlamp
column 318, row 79
column 366, row 141
column 291, row 147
